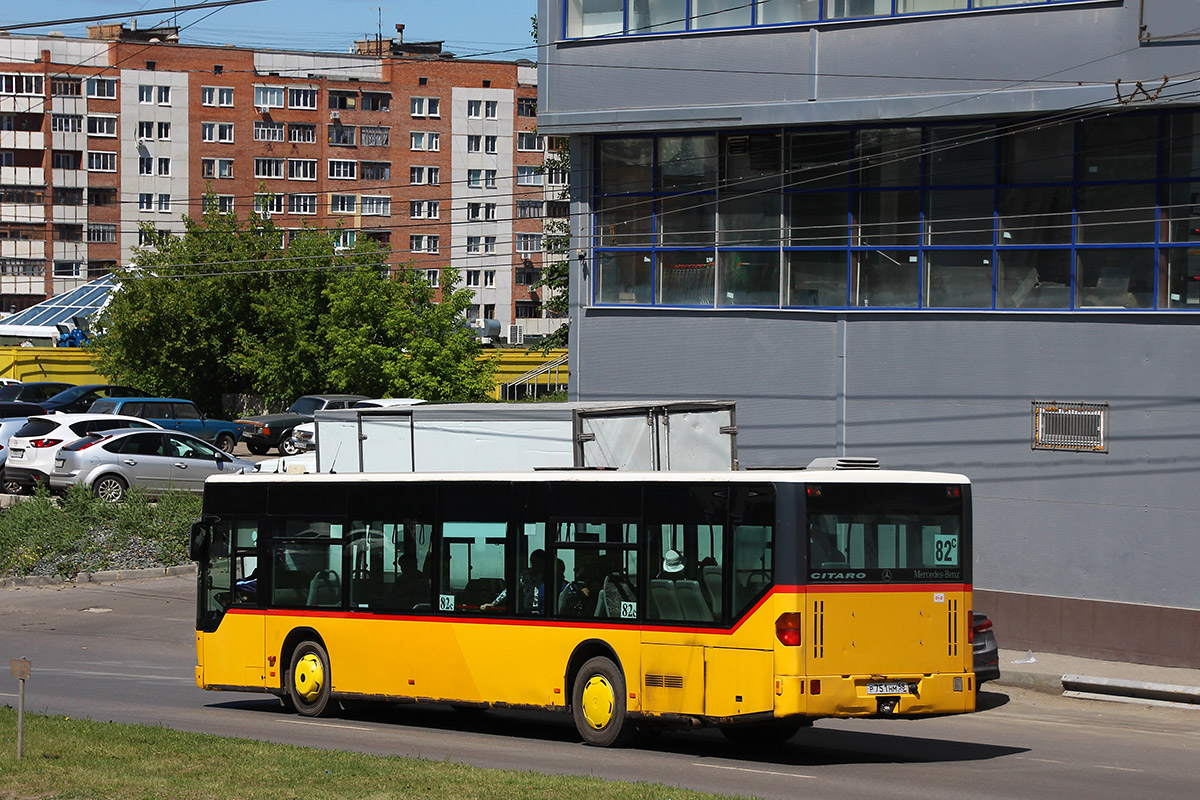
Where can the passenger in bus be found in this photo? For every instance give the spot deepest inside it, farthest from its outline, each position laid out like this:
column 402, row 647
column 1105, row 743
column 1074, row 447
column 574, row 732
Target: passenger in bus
column 672, row 566
column 578, row 596
column 412, row 587
column 530, row 585
column 823, row 544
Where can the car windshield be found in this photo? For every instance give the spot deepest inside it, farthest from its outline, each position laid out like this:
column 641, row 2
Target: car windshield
column 74, row 393
column 10, row 392
column 308, row 406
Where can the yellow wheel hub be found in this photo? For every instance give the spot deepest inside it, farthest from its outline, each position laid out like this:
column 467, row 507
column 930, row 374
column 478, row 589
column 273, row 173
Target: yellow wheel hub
column 309, row 677
column 599, row 701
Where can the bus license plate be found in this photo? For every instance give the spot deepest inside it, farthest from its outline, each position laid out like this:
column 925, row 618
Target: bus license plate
column 888, row 687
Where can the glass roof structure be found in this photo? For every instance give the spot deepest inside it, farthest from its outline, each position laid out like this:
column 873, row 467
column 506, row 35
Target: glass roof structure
column 40, row 320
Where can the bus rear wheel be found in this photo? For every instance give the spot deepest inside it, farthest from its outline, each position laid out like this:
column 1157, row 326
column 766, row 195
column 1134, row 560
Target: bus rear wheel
column 598, row 704
column 757, row 734
column 308, row 680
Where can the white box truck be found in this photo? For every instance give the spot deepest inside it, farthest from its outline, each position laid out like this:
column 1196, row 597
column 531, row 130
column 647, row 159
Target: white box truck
column 483, row 437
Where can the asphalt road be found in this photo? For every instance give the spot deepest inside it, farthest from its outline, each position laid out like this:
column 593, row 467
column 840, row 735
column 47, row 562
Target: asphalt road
column 125, row 653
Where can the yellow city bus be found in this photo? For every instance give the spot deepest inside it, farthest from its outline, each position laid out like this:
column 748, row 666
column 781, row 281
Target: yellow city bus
column 754, row 601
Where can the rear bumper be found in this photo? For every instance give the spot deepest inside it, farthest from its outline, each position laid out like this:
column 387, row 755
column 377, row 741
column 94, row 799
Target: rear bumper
column 842, row 696
column 26, row 476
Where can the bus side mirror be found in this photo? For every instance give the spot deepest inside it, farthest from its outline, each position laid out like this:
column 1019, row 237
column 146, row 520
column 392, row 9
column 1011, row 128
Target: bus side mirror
column 198, row 541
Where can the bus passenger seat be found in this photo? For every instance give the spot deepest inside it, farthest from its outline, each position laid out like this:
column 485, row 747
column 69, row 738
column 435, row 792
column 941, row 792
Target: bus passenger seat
column 664, row 602
column 712, row 588
column 692, row 602
column 325, row 589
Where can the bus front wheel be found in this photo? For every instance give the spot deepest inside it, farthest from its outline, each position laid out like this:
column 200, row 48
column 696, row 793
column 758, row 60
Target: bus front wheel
column 598, row 704
column 308, row 680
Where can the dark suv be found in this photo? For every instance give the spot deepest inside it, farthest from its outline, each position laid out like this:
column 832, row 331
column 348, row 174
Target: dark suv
column 263, row 432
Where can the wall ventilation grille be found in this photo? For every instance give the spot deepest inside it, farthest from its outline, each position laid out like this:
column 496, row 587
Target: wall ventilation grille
column 1070, row 426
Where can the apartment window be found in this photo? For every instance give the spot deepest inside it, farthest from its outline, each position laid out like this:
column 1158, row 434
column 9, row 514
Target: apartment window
column 145, row 130
column 267, row 204
column 474, row 210
column 417, row 106
column 301, row 134
column 474, row 244
column 164, row 95
column 377, row 137
column 529, row 242
column 342, row 203
column 416, row 141
column 102, row 88
column 373, row 206
column 102, row 126
column 145, row 165
column 224, row 167
column 101, row 233
column 526, row 106
column 58, row 160
column 208, row 131
column 208, row 95
column 432, row 276
column 302, row 169
column 208, row 168
column 225, row 203
column 433, row 106
column 433, row 209
column 302, row 98
column 376, row 101
column 558, row 208
column 145, row 94
column 344, row 240
column 489, row 178
column 164, row 166
column 376, row 170
column 268, row 167
column 489, row 211
column 302, row 204
column 225, row 96
column 345, row 170
column 489, row 144
column 556, row 177
column 67, row 269
column 474, row 144
column 529, row 176
column 529, row 209
column 164, row 131
column 489, row 109
column 489, row 244
column 416, row 209
column 66, row 123
column 145, row 201
column 416, row 175
column 20, row 83
column 423, row 244
column 472, row 277
column 529, row 141
column 268, row 96
column 430, row 141
column 433, row 175
column 527, row 276
column 474, row 178
column 343, row 100
column 225, row 132
column 489, row 278
column 268, row 131
column 164, row 202
column 66, row 87
column 342, row 135
column 474, row 109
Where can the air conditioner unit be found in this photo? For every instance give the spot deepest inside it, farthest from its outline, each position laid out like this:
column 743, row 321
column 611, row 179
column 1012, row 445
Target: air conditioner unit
column 516, row 334
column 141, row 140
column 264, row 109
column 335, row 115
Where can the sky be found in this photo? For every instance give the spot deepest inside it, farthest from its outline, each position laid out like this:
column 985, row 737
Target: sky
column 499, row 28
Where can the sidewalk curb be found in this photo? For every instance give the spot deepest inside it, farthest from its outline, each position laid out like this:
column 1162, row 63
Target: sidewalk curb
column 103, row 576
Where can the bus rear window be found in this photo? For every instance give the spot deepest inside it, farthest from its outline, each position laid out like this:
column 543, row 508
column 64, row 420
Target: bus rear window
column 886, row 533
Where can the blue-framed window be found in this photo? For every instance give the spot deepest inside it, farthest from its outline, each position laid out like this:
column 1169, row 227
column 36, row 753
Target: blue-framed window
column 588, row 18
column 1100, row 212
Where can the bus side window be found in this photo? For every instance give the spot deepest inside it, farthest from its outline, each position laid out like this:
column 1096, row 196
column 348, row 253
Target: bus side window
column 752, row 527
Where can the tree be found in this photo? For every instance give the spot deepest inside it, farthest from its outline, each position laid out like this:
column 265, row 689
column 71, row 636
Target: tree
column 556, row 244
column 223, row 308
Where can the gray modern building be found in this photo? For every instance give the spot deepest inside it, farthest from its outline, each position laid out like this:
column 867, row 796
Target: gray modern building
column 951, row 234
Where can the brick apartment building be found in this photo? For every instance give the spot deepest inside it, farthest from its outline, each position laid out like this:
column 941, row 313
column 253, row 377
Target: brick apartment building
column 434, row 155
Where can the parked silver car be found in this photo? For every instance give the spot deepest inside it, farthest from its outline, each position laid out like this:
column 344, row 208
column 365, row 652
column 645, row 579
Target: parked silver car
column 156, row 461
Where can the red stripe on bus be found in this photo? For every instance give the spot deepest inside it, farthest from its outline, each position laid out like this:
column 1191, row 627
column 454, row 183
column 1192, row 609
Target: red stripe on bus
column 579, row 623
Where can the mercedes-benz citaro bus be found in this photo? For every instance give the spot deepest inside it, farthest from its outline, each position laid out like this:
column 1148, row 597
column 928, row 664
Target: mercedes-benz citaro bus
column 754, row 601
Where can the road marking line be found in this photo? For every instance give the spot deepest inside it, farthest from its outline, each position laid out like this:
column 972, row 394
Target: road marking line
column 1042, row 760
column 6, row 694
column 326, row 724
column 756, row 771
column 1118, row 769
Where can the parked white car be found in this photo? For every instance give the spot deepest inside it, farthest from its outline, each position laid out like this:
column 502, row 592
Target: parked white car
column 33, row 448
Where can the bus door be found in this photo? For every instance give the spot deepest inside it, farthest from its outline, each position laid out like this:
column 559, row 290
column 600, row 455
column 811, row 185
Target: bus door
column 232, row 653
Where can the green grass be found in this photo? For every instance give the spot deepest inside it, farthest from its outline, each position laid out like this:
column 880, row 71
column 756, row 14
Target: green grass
column 68, row 758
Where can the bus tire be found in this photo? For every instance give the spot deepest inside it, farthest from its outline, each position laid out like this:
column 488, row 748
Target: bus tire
column 309, row 680
column 758, row 734
column 598, row 704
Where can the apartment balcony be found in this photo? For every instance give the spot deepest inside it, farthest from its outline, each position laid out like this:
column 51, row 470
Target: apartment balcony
column 22, row 140
column 23, row 104
column 68, row 105
column 22, row 284
column 69, row 214
column 63, row 285
column 23, row 248
column 69, row 178
column 62, row 140
column 22, row 212
column 22, row 176
column 70, row 251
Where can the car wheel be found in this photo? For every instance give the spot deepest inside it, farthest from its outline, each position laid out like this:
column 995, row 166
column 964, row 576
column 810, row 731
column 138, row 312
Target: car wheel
column 598, row 704
column 11, row 487
column 225, row 442
column 286, row 446
column 308, row 680
column 110, row 488
column 257, row 449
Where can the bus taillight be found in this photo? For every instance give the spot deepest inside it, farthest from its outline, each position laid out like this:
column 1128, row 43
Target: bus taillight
column 787, row 629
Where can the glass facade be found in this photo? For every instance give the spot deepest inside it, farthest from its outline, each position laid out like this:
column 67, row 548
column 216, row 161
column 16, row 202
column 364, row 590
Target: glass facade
column 1099, row 213
column 587, row 18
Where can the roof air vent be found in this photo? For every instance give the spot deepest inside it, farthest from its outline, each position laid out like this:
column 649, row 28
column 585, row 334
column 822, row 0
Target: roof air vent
column 845, row 462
